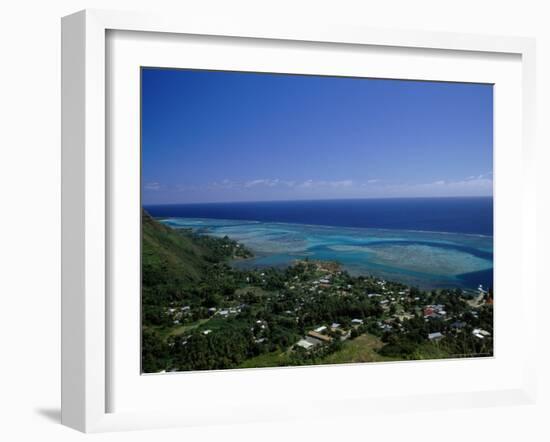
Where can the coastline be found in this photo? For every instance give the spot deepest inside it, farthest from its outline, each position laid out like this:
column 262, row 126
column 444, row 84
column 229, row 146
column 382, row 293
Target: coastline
column 311, row 312
column 366, row 251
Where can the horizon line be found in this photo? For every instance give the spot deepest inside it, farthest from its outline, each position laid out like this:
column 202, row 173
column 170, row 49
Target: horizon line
column 318, row 199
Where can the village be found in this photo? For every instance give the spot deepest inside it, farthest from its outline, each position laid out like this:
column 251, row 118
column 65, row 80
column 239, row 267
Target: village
column 314, row 308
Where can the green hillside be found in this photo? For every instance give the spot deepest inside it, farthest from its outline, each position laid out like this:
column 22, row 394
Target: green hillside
column 178, row 266
column 170, row 258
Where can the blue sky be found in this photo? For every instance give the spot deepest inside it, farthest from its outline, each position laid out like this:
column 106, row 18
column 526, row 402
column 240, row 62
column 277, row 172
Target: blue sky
column 227, row 136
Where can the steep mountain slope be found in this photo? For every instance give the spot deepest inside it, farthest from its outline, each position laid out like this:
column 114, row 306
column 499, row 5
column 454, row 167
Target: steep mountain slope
column 170, row 257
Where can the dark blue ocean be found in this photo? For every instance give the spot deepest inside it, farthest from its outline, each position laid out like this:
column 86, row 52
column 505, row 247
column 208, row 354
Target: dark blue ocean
column 459, row 215
column 425, row 242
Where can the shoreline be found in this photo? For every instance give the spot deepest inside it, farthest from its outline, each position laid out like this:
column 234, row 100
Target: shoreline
column 382, row 229
column 421, row 278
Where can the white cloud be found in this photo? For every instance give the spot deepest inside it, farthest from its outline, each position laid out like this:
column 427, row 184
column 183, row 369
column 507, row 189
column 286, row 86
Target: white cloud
column 470, row 186
column 262, row 182
column 324, row 184
column 277, row 188
column 152, row 185
column 343, row 183
column 223, row 184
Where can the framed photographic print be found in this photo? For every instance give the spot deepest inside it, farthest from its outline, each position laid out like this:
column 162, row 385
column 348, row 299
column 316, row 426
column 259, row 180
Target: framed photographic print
column 293, row 221
column 304, row 220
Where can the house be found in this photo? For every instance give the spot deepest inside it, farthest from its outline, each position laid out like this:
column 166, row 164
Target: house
column 458, row 325
column 435, row 336
column 207, row 332
column 356, row 322
column 223, row 312
column 434, row 311
column 480, row 333
column 306, row 345
column 334, row 326
column 319, row 336
column 428, row 312
column 344, row 334
column 404, row 316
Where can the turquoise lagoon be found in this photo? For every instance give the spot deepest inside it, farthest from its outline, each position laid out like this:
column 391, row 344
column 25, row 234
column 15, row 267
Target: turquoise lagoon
column 424, row 259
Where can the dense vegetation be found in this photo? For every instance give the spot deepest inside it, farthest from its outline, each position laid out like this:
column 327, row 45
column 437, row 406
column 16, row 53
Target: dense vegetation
column 199, row 313
column 178, row 266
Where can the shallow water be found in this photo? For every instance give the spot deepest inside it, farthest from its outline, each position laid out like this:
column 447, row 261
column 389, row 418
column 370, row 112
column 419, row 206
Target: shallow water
column 423, row 259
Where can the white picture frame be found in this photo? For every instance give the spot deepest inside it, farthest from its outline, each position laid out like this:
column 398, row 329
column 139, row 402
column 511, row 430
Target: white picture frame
column 86, row 211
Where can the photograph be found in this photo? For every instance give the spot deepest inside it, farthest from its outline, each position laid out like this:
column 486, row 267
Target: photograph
column 303, row 220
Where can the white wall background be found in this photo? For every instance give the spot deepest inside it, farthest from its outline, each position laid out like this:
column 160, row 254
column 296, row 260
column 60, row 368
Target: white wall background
column 30, row 215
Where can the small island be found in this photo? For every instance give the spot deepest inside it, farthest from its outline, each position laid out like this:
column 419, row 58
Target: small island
column 199, row 312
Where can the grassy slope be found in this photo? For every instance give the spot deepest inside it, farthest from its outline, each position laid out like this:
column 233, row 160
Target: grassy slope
column 361, row 349
column 166, row 252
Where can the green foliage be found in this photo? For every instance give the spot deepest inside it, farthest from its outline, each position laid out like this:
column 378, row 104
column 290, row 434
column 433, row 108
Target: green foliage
column 155, row 352
column 217, row 350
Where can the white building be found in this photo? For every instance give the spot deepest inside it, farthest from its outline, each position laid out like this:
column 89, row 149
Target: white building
column 480, row 333
column 304, row 344
column 435, row 336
